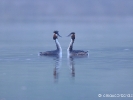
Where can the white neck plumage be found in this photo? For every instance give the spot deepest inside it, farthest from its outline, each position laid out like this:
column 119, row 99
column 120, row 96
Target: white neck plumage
column 58, row 45
column 70, row 47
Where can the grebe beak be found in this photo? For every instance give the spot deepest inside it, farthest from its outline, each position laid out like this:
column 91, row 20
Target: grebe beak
column 69, row 34
column 59, row 35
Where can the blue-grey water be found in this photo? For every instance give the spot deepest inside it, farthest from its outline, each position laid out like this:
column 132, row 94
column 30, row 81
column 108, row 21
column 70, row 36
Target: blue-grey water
column 105, row 29
column 26, row 76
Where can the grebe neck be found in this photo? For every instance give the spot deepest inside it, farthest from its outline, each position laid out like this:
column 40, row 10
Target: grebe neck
column 70, row 47
column 58, row 45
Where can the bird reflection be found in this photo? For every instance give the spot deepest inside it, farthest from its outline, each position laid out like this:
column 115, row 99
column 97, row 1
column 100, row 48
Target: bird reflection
column 71, row 65
column 57, row 60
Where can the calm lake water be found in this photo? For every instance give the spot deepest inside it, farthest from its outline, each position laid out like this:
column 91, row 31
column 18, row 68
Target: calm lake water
column 26, row 76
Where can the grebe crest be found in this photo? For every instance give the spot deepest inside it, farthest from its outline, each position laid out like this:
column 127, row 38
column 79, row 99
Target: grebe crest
column 56, row 34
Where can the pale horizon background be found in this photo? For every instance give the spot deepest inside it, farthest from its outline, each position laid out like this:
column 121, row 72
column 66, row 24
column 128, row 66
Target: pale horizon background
column 68, row 11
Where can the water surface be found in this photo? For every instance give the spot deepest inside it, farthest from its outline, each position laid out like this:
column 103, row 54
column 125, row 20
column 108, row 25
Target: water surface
column 26, row 76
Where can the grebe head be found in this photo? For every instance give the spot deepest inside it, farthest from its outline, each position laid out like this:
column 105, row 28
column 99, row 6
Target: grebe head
column 56, row 34
column 72, row 34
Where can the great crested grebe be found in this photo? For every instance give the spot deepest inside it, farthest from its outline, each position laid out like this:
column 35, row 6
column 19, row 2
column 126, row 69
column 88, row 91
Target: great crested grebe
column 72, row 52
column 58, row 51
